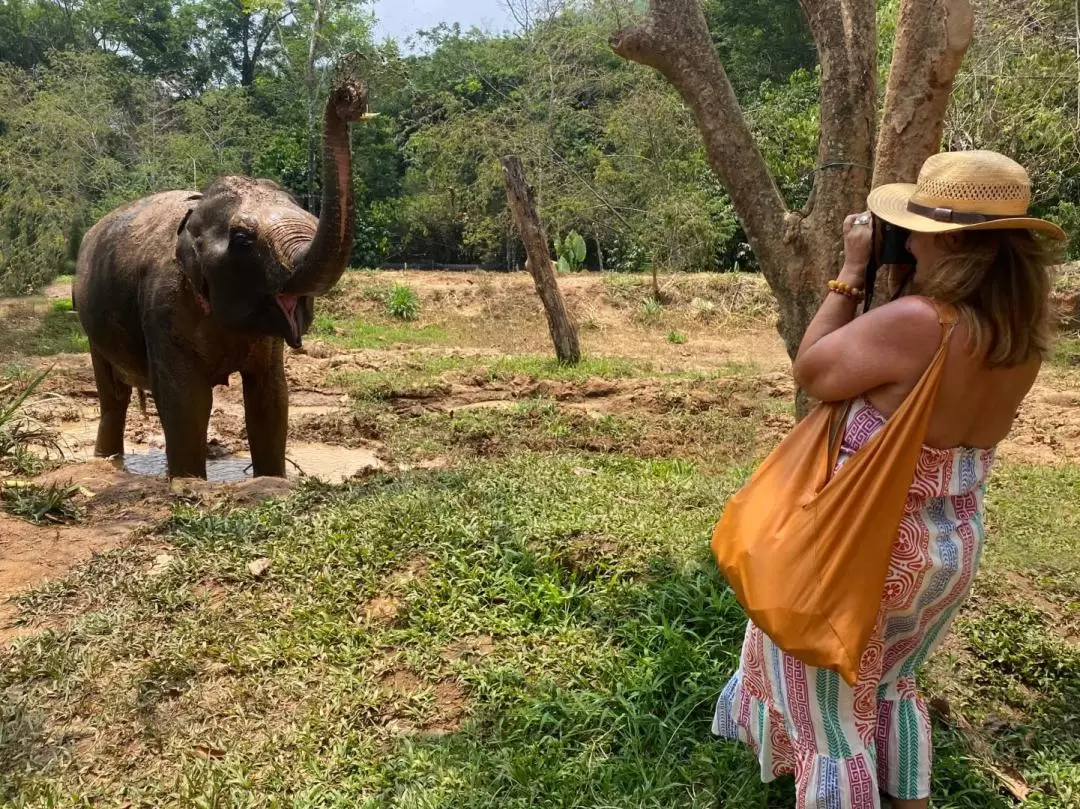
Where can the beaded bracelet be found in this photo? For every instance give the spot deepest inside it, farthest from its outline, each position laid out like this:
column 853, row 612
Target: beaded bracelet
column 848, row 291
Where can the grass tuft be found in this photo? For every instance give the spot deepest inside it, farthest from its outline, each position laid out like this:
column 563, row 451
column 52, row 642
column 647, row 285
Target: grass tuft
column 40, row 504
column 403, row 303
column 19, row 433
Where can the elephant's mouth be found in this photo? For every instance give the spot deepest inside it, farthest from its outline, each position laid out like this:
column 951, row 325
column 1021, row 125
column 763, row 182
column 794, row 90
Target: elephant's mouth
column 294, row 317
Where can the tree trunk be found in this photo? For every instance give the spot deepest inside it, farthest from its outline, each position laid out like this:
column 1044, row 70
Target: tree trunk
column 560, row 324
column 800, row 250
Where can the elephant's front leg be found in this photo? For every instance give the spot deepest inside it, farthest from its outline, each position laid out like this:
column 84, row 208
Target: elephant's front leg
column 266, row 413
column 183, row 398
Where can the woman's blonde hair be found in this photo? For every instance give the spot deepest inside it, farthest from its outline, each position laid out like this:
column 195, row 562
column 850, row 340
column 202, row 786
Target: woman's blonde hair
column 1000, row 282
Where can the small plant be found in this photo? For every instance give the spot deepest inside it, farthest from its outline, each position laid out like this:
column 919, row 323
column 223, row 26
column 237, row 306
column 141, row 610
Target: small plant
column 402, row 303
column 40, row 504
column 703, row 308
column 571, row 251
column 677, row 337
column 653, row 308
column 19, row 432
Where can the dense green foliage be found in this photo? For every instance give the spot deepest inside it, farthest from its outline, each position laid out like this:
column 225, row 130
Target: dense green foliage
column 104, row 100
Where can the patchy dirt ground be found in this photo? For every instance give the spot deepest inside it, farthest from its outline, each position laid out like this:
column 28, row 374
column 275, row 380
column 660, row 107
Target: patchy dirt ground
column 709, row 327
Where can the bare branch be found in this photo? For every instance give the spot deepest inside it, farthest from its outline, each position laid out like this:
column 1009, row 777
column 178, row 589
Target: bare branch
column 674, row 40
column 932, row 37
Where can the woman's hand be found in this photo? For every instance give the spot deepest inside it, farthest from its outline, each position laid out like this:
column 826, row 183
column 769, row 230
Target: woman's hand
column 858, row 241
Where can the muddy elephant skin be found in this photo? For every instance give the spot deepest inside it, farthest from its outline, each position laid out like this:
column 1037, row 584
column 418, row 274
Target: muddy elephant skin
column 178, row 290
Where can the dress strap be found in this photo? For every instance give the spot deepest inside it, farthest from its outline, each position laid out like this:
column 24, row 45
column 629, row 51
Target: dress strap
column 946, row 312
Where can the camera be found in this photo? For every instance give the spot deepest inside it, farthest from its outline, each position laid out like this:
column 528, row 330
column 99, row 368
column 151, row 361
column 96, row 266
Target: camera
column 889, row 249
column 890, row 244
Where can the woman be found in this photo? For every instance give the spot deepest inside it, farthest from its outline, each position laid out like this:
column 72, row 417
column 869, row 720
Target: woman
column 976, row 249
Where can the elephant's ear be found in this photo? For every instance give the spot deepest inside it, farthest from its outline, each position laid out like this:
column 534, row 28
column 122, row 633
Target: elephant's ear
column 187, row 256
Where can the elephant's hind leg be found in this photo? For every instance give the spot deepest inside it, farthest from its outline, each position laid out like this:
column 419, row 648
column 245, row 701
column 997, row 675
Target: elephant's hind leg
column 113, row 398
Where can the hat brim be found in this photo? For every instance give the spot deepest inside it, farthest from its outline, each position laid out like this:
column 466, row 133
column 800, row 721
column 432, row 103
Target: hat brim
column 889, row 202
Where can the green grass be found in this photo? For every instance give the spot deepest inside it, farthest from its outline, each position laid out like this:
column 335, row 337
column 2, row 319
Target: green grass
column 536, row 631
column 538, row 367
column 58, row 331
column 21, row 434
column 1066, row 352
column 419, row 373
column 1034, row 512
column 710, row 424
column 415, row 375
column 1017, row 688
column 363, row 333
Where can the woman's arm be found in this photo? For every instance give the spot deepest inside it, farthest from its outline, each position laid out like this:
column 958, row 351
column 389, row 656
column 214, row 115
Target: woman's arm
column 843, row 356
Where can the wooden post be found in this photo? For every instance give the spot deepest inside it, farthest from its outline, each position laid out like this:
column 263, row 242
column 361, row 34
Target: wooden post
column 519, row 195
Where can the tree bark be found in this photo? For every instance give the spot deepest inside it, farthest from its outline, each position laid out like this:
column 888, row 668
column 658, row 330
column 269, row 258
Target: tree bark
column 520, row 197
column 932, row 37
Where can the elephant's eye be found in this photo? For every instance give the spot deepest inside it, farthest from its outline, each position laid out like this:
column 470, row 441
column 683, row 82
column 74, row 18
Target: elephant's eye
column 241, row 239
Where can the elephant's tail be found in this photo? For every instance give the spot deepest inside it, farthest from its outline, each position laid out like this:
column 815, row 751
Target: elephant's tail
column 142, row 400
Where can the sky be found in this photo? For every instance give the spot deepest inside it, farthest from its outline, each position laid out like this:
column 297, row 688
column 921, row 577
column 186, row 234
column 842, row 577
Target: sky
column 401, row 18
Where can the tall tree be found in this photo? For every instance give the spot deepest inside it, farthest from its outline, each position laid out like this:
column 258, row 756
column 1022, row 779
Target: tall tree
column 799, row 250
column 240, row 34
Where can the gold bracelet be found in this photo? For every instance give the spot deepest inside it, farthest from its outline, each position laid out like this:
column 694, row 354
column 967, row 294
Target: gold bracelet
column 848, row 291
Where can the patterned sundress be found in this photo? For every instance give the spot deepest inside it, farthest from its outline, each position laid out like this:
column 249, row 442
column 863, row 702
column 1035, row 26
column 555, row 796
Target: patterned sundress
column 844, row 744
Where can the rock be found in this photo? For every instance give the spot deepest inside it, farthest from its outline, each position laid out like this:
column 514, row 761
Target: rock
column 259, row 567
column 161, row 564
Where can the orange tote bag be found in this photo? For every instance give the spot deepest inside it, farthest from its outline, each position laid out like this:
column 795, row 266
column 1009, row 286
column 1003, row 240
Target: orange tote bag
column 807, row 551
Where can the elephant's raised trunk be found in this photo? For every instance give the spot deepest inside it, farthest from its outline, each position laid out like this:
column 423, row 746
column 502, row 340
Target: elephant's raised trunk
column 325, row 260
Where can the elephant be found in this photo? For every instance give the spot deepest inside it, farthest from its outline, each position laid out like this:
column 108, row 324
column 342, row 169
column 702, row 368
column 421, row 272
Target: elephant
column 178, row 290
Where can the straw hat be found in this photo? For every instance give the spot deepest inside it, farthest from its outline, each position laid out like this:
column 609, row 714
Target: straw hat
column 975, row 190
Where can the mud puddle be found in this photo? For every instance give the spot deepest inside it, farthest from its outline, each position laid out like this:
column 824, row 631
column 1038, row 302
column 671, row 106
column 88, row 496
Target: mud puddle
column 328, row 462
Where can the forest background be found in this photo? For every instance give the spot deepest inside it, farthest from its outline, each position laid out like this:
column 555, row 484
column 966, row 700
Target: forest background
column 102, row 101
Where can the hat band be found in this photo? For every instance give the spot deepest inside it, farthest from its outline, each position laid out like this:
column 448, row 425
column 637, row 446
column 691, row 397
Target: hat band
column 949, row 215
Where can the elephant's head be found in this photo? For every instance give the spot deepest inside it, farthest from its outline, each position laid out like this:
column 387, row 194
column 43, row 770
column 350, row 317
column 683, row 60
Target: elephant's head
column 254, row 257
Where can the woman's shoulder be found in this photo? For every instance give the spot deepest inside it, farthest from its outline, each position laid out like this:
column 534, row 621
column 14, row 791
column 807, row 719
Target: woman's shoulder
column 912, row 320
column 915, row 310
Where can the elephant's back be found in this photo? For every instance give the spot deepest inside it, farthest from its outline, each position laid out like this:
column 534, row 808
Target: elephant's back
column 129, row 248
column 133, row 238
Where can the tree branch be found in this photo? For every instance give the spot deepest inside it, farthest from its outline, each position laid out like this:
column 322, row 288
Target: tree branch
column 932, row 37
column 674, row 39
